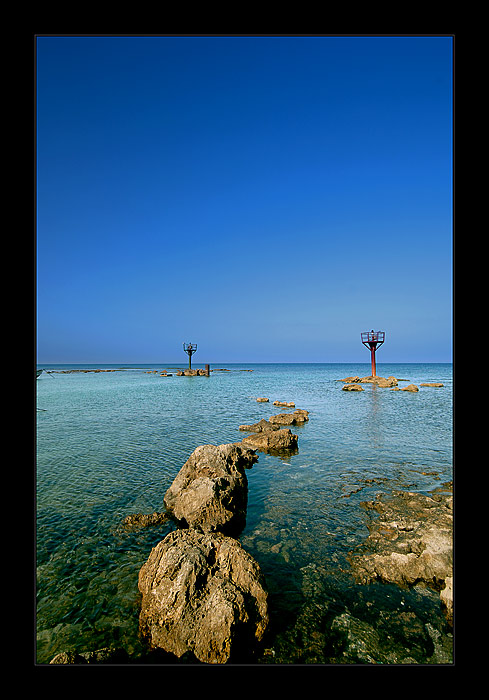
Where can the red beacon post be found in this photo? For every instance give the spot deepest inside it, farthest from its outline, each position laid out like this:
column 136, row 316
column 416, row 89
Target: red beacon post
column 373, row 340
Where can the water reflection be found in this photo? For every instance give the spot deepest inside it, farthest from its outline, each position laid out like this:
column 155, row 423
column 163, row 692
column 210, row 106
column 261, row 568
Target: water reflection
column 374, row 417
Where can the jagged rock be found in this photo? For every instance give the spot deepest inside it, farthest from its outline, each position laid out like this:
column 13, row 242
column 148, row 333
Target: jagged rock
column 352, row 387
column 411, row 541
column 286, row 404
column 261, row 426
column 263, row 400
column 296, row 418
column 356, row 378
column 202, row 592
column 272, row 441
column 211, row 489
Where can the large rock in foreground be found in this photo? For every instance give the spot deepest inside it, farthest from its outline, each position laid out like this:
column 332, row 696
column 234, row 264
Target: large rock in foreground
column 202, row 592
column 210, row 491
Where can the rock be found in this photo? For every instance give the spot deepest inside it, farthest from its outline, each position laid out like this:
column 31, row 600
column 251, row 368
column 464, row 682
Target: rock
column 263, row 400
column 379, row 381
column 446, row 598
column 296, row 418
column 262, row 426
column 68, row 657
column 431, row 384
column 107, row 655
column 211, row 489
column 287, row 404
column 361, row 643
column 352, row 387
column 386, row 383
column 356, row 378
column 272, row 441
column 410, row 387
column 409, row 542
column 202, row 592
column 136, row 521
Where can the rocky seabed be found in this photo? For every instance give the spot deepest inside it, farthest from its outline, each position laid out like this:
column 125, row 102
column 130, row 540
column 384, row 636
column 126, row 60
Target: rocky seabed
column 204, row 597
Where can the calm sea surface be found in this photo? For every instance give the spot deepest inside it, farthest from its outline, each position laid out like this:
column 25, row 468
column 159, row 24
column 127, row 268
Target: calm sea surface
column 110, row 444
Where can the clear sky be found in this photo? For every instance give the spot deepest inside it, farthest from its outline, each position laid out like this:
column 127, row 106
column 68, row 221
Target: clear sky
column 268, row 198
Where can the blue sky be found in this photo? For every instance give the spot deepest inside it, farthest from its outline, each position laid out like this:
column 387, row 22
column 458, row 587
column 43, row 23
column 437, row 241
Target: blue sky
column 268, row 198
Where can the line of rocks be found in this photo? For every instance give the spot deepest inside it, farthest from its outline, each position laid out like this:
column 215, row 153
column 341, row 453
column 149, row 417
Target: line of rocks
column 201, row 591
column 353, row 383
column 272, row 436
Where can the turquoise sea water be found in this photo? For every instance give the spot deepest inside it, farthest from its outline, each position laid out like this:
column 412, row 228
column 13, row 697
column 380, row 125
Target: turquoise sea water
column 110, row 444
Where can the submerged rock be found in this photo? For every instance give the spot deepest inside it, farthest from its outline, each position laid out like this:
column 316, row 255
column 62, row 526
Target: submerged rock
column 107, row 655
column 202, row 592
column 410, row 542
column 211, row 489
column 136, row 521
column 436, row 384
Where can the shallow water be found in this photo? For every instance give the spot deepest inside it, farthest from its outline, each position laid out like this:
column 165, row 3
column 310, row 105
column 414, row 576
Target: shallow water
column 110, row 444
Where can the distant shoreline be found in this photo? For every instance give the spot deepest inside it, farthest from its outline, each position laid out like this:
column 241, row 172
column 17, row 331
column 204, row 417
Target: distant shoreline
column 176, row 365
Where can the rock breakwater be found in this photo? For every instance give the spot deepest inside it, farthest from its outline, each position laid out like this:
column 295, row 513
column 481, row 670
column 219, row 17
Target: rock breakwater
column 201, row 591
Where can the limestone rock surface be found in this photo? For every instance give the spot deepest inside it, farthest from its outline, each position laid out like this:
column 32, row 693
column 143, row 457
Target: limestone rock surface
column 210, row 491
column 297, row 418
column 202, row 592
column 262, row 426
column 410, row 542
column 272, row 441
